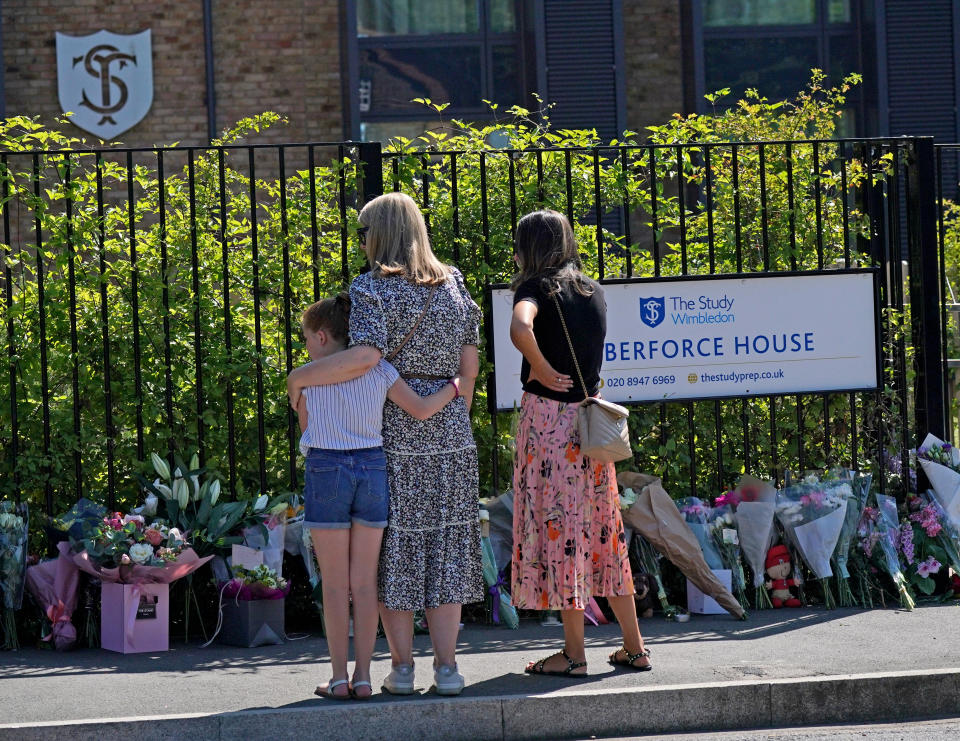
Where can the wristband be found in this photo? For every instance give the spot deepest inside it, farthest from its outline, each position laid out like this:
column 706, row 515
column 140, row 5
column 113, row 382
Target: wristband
column 456, row 387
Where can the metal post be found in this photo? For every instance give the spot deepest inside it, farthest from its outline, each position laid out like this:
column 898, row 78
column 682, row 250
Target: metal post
column 208, row 60
column 371, row 171
column 925, row 299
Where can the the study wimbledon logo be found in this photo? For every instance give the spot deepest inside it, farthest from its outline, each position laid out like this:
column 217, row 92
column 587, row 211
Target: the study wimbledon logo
column 652, row 311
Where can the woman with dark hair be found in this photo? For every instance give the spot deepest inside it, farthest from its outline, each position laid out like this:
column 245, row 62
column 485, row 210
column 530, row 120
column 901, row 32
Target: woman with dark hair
column 569, row 544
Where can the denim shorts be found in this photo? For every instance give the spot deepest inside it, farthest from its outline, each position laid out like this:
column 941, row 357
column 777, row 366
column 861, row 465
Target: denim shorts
column 343, row 487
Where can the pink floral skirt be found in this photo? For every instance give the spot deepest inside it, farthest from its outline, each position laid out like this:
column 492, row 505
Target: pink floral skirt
column 569, row 543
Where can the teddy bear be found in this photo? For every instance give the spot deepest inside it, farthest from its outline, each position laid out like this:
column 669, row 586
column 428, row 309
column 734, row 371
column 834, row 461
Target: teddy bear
column 645, row 593
column 778, row 569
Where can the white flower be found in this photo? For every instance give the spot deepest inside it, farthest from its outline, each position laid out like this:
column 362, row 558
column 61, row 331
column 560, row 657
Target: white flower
column 141, row 552
column 133, row 518
column 164, row 490
column 182, row 492
column 260, row 503
column 196, row 487
column 728, row 518
column 150, row 505
column 175, row 535
column 160, row 527
column 160, row 466
column 195, row 462
column 214, row 491
column 10, row 521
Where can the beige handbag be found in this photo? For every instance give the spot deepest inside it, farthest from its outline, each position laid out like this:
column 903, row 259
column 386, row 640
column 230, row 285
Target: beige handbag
column 602, row 424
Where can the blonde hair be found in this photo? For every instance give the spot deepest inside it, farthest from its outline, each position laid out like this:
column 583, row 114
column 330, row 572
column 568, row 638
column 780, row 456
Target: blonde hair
column 397, row 242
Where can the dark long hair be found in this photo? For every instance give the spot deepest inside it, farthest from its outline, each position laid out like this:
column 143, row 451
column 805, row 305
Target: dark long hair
column 547, row 249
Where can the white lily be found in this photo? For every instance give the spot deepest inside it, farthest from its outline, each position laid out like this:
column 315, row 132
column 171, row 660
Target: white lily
column 195, row 462
column 164, row 490
column 260, row 503
column 160, row 466
column 214, row 491
column 150, row 505
column 196, row 487
column 182, row 492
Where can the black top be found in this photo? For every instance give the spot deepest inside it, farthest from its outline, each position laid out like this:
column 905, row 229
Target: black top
column 586, row 318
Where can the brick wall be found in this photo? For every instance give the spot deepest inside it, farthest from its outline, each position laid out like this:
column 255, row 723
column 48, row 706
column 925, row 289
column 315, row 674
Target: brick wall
column 654, row 62
column 280, row 55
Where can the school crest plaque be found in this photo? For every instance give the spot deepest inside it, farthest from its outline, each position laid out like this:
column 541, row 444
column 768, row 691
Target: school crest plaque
column 105, row 80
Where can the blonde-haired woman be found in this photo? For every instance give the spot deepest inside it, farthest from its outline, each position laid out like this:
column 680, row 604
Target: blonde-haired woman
column 431, row 549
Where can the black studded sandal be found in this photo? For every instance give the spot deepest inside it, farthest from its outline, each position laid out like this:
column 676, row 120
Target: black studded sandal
column 629, row 658
column 537, row 667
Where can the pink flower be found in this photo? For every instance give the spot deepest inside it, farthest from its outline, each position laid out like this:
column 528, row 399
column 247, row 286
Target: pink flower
column 929, row 520
column 928, row 567
column 125, row 560
column 728, row 497
column 153, row 537
column 813, row 499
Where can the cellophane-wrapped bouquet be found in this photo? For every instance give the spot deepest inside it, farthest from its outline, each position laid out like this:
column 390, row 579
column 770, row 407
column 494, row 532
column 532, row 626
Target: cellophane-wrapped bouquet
column 754, row 503
column 649, row 559
column 14, row 522
column 727, row 540
column 941, row 463
column 697, row 515
column 812, row 514
column 880, row 541
column 856, row 499
column 932, row 539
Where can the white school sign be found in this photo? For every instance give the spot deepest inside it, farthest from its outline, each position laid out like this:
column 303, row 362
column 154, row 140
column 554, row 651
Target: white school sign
column 703, row 338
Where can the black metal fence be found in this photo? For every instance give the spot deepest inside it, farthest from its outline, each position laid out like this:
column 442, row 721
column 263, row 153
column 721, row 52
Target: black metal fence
column 150, row 297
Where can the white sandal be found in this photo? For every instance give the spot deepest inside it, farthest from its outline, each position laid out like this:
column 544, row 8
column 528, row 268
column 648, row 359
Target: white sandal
column 361, row 683
column 328, row 691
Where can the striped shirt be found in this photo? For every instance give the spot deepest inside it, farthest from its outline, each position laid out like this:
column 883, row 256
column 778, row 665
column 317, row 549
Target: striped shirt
column 348, row 415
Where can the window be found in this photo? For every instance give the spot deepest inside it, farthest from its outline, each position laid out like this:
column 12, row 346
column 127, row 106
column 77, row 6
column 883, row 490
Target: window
column 460, row 52
column 771, row 45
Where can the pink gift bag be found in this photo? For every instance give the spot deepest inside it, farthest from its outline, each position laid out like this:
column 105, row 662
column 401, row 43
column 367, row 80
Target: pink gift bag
column 134, row 618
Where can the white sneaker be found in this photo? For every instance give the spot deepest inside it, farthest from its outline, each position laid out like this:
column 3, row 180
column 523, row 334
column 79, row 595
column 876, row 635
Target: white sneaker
column 447, row 680
column 400, row 680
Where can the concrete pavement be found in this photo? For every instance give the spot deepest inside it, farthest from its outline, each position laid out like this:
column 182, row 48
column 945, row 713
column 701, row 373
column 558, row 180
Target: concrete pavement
column 779, row 668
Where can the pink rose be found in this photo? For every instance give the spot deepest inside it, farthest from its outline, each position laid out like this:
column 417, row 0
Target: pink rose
column 153, row 537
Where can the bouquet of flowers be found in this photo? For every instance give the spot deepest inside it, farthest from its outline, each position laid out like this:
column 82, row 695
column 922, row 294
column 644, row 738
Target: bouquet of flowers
column 14, row 519
column 812, row 514
column 941, row 462
column 697, row 514
column 754, row 502
column 933, row 538
column 649, row 560
column 82, row 517
column 253, row 584
column 497, row 587
column 856, row 499
column 126, row 550
column 727, row 541
column 188, row 497
column 53, row 584
column 880, row 540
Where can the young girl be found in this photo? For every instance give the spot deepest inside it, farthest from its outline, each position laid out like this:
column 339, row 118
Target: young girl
column 345, row 492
